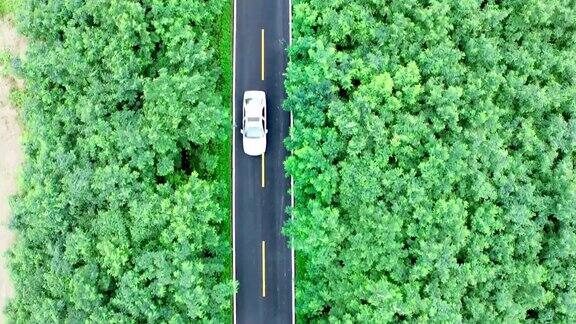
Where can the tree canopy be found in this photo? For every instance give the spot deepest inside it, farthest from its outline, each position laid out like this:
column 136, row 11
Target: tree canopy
column 433, row 155
column 122, row 214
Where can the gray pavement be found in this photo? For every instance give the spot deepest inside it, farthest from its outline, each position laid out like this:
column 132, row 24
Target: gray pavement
column 263, row 260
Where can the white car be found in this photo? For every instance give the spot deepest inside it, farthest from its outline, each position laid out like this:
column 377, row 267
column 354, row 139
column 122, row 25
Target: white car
column 254, row 123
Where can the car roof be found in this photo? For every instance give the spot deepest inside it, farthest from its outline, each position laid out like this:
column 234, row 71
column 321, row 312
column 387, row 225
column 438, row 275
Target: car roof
column 253, row 107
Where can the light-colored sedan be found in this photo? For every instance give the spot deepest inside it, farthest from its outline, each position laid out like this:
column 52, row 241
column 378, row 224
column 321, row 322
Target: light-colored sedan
column 254, row 123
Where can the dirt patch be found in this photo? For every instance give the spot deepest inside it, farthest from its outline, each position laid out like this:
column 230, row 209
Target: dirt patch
column 10, row 154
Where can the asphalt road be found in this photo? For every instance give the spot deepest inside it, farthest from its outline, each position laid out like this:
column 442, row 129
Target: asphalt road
column 263, row 260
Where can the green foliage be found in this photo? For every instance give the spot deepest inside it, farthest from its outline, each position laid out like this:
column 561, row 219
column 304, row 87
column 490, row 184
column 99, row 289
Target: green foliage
column 433, row 159
column 224, row 166
column 8, row 7
column 123, row 210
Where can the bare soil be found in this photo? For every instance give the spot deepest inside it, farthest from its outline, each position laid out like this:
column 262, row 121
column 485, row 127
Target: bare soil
column 10, row 154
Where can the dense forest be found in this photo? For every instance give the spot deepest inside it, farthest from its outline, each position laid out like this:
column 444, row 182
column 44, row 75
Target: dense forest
column 433, row 159
column 123, row 211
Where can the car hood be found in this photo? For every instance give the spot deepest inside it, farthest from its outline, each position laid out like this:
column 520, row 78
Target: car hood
column 254, row 146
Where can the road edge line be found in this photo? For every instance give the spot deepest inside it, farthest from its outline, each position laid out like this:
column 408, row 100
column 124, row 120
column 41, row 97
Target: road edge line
column 234, row 162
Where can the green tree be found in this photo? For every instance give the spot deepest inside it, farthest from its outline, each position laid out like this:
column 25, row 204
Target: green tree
column 120, row 215
column 433, row 156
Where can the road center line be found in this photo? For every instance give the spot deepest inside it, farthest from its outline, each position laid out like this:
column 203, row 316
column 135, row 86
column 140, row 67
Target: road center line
column 262, row 57
column 263, row 268
column 263, row 170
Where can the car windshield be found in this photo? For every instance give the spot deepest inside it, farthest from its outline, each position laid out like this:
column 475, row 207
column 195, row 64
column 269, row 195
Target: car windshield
column 253, row 132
